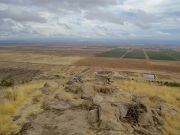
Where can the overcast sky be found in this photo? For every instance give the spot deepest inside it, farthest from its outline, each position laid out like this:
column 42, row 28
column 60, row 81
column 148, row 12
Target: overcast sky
column 120, row 19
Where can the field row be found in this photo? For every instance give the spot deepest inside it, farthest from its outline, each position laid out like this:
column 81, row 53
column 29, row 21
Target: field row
column 162, row 54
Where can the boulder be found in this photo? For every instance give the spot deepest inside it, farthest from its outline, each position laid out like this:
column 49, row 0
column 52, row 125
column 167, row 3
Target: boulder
column 93, row 116
column 73, row 79
column 88, row 105
column 123, row 109
column 104, row 89
column 51, row 84
column 76, row 89
column 146, row 119
column 97, row 100
column 87, row 91
column 143, row 131
column 108, row 119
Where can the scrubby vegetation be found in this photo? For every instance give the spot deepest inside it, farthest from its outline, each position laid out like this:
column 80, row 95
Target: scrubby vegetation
column 7, row 82
column 172, row 84
column 169, row 94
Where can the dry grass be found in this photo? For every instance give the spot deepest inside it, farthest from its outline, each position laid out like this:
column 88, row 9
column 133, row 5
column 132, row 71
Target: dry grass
column 169, row 94
column 12, row 100
column 38, row 58
column 90, row 133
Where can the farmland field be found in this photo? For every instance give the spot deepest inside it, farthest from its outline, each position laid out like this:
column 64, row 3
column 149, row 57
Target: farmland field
column 135, row 54
column 172, row 53
column 113, row 53
column 140, row 53
column 159, row 55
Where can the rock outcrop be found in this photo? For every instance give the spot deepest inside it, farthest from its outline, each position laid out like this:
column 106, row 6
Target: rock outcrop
column 97, row 107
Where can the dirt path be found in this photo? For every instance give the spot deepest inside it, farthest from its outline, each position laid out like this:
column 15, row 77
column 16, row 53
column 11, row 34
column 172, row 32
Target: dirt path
column 146, row 56
column 126, row 53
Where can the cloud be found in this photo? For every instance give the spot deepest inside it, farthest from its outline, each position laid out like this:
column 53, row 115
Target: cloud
column 104, row 16
column 76, row 5
column 64, row 25
column 90, row 18
column 20, row 15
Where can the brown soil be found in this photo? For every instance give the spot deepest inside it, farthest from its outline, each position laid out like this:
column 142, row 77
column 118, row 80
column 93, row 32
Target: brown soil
column 167, row 66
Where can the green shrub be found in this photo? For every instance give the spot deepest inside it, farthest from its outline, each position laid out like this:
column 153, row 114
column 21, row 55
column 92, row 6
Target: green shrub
column 7, row 82
column 172, row 84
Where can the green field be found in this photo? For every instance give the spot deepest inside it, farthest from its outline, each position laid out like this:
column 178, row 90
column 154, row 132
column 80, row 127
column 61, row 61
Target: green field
column 154, row 55
column 172, row 53
column 163, row 54
column 135, row 54
column 113, row 53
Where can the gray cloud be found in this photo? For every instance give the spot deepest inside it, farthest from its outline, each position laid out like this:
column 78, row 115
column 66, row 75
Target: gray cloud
column 104, row 16
column 64, row 25
column 9, row 27
column 59, row 5
column 76, row 4
column 21, row 15
column 141, row 18
column 85, row 17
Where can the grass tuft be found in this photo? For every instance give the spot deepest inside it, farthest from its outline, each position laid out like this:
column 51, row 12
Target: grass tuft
column 6, row 125
column 13, row 99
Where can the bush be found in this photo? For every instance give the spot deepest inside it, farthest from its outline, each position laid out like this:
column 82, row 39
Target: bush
column 172, row 84
column 7, row 82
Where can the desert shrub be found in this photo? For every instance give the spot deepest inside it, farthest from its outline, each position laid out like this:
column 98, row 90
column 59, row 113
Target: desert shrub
column 172, row 84
column 7, row 82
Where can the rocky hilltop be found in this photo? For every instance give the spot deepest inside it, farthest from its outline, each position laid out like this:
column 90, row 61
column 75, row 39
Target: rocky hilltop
column 94, row 106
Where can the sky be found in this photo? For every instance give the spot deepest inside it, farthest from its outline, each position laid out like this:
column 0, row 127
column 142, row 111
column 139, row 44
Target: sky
column 90, row 19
